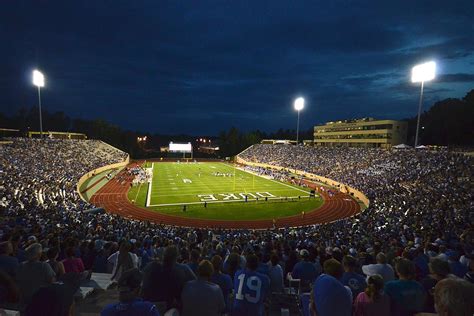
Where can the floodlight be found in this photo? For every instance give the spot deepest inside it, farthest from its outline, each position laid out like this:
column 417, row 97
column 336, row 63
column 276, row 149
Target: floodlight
column 38, row 78
column 423, row 72
column 299, row 104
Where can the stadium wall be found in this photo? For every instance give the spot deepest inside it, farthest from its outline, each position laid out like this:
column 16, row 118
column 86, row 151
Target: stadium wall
column 99, row 170
column 341, row 186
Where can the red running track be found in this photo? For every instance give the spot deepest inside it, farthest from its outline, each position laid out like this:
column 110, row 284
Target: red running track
column 113, row 198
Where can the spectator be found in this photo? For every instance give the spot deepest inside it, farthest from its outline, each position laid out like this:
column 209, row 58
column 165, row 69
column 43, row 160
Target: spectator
column 276, row 275
column 194, row 260
column 469, row 276
column 329, row 296
column 305, row 271
column 439, row 270
column 57, row 266
column 407, row 296
column 52, row 300
column 33, row 274
column 223, row 280
column 71, row 263
column 201, row 297
column 251, row 290
column 373, row 301
column 232, row 265
column 381, row 268
column 453, row 296
column 123, row 260
column 129, row 301
column 164, row 282
column 350, row 278
column 456, row 267
column 8, row 264
column 9, row 292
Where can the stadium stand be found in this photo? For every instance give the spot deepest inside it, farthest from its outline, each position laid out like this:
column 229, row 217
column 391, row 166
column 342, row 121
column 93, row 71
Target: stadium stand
column 418, row 225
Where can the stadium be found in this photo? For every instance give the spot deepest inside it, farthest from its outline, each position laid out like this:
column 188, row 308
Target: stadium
column 179, row 158
column 210, row 194
column 92, row 188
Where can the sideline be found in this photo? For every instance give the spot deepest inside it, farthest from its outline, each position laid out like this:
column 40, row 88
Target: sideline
column 148, row 195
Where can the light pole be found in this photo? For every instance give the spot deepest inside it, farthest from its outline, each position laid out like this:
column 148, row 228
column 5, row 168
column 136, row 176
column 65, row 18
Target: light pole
column 299, row 105
column 38, row 80
column 421, row 73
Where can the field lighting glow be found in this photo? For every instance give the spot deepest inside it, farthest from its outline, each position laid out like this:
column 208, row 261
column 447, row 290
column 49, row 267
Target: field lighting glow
column 299, row 104
column 423, row 72
column 38, row 78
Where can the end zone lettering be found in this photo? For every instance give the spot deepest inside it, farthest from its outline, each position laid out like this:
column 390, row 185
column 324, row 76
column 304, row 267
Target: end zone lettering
column 233, row 196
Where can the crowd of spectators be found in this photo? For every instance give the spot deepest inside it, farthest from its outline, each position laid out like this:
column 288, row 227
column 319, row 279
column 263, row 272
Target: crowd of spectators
column 411, row 250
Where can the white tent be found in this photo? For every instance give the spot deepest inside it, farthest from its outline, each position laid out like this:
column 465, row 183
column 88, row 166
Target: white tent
column 422, row 147
column 401, row 146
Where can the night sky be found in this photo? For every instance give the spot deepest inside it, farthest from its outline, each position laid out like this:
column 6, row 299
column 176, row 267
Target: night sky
column 200, row 67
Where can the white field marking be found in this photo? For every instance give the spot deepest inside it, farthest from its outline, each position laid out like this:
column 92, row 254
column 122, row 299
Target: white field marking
column 185, row 193
column 229, row 201
column 193, row 192
column 148, row 194
column 139, row 187
column 287, row 185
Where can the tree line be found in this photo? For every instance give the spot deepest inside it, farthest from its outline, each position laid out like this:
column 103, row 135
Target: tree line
column 448, row 122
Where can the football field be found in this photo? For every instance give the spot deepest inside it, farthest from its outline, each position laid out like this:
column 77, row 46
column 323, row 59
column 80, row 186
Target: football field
column 220, row 191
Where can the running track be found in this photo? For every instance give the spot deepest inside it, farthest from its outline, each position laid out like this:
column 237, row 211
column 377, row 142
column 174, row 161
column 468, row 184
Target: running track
column 113, row 198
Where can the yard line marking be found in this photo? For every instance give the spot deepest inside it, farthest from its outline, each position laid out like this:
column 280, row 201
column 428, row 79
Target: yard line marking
column 195, row 194
column 227, row 201
column 257, row 175
column 148, row 195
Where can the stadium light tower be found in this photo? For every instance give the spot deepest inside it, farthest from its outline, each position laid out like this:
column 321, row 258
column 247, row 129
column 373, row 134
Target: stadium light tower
column 421, row 73
column 38, row 80
column 299, row 105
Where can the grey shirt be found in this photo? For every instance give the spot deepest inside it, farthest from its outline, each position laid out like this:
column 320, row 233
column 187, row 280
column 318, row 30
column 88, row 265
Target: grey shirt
column 201, row 297
column 31, row 276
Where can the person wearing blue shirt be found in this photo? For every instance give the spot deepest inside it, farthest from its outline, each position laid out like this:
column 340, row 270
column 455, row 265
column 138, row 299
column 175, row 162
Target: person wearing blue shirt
column 194, row 260
column 329, row 296
column 146, row 254
column 251, row 289
column 130, row 304
column 202, row 297
column 457, row 268
column 8, row 264
column 305, row 270
column 223, row 280
column 350, row 278
column 406, row 295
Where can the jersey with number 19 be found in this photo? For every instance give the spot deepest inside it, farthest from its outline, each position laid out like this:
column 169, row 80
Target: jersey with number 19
column 251, row 289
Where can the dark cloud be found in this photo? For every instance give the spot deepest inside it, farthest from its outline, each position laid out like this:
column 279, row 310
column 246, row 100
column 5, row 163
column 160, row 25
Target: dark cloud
column 202, row 66
column 459, row 77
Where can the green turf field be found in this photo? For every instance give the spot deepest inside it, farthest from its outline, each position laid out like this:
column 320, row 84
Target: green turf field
column 207, row 193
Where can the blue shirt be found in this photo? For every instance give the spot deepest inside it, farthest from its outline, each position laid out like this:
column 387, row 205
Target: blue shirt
column 331, row 298
column 251, row 289
column 305, row 270
column 458, row 269
column 137, row 307
column 355, row 282
column 406, row 296
column 225, row 283
column 9, row 265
